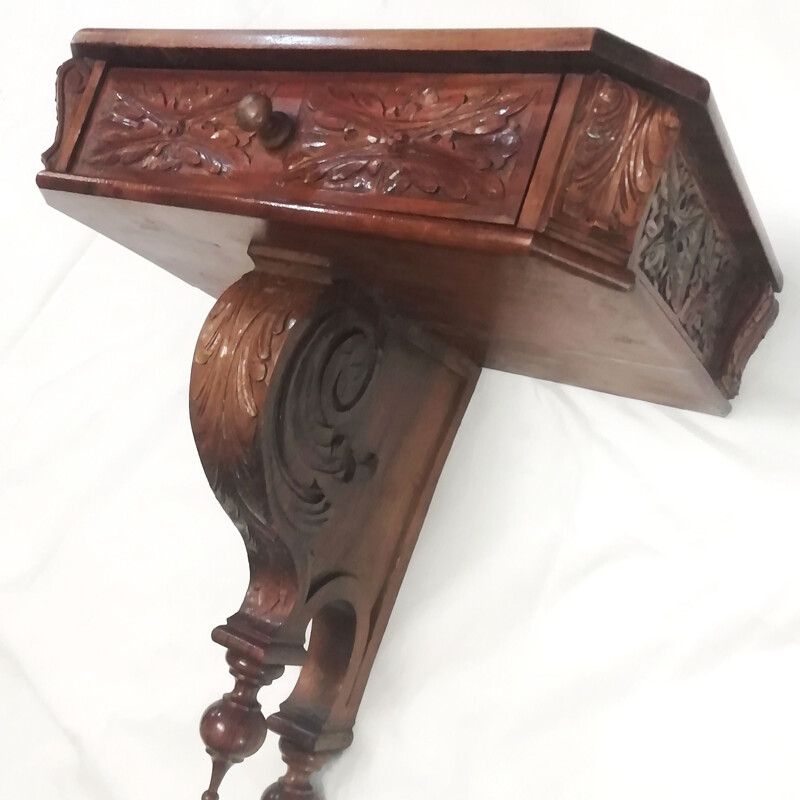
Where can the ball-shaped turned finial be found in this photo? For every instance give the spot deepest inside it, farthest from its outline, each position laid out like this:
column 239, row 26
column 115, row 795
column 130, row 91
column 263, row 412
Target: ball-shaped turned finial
column 233, row 731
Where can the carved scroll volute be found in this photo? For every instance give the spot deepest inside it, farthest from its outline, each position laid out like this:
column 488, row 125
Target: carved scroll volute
column 322, row 387
column 281, row 375
column 72, row 79
column 280, row 371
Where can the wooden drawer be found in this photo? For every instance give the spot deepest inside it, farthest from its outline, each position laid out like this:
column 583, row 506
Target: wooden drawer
column 458, row 146
column 397, row 181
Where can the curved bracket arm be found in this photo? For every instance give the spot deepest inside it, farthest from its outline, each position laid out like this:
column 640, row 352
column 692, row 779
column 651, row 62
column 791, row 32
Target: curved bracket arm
column 322, row 423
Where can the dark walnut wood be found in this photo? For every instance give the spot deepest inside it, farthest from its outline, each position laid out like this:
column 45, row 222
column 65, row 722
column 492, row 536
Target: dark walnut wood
column 380, row 214
column 322, row 423
column 719, row 301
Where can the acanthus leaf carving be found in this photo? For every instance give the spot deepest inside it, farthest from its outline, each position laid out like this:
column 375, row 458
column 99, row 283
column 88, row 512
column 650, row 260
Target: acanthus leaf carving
column 235, row 358
column 296, row 388
column 722, row 304
column 275, row 454
column 157, row 126
column 619, row 141
column 448, row 142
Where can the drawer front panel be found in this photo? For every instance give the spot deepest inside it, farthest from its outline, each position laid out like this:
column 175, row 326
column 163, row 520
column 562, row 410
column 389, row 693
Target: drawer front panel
column 459, row 146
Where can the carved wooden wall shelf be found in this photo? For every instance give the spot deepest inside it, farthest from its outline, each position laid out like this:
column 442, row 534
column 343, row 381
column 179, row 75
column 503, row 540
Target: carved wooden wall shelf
column 379, row 215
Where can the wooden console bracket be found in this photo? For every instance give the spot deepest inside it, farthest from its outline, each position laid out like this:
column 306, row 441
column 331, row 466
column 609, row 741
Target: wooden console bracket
column 554, row 203
column 322, row 422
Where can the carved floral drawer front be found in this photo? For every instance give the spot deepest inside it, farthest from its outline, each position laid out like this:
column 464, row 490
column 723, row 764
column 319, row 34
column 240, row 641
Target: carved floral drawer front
column 460, row 146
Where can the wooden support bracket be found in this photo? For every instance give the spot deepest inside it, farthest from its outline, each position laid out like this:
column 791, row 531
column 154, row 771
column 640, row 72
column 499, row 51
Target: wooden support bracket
column 322, row 422
column 554, row 203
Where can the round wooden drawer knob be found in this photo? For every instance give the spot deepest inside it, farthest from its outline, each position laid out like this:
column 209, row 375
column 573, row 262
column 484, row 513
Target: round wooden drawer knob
column 255, row 113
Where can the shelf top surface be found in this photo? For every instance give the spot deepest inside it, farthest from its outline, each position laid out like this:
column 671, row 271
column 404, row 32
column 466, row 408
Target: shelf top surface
column 496, row 49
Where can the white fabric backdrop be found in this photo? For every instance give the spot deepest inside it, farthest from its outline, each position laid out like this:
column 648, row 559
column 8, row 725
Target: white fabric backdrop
column 604, row 602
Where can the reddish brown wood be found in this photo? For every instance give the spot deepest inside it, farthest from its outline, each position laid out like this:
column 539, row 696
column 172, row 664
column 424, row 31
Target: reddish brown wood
column 579, row 50
column 513, row 313
column 531, row 215
column 322, row 423
column 505, row 50
column 605, row 150
column 743, row 338
column 234, row 728
column 500, row 239
column 301, row 766
column 617, row 144
column 77, row 81
column 444, row 145
column 379, row 213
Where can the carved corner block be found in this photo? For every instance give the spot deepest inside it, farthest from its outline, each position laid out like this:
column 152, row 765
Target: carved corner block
column 606, row 148
column 322, row 422
column 77, row 81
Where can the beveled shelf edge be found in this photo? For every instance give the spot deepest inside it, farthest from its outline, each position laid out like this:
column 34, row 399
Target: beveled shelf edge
column 486, row 237
column 480, row 50
column 480, row 236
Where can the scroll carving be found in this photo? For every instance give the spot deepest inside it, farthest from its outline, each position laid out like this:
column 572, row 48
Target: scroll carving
column 234, row 361
column 747, row 339
column 71, row 81
column 328, row 377
column 321, row 422
column 280, row 369
column 270, row 472
column 617, row 145
column 189, row 127
column 448, row 143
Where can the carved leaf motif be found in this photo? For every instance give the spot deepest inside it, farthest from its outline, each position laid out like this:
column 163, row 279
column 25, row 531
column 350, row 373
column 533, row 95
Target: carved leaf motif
column 234, row 359
column 236, row 353
column 275, row 455
column 620, row 141
column 687, row 258
column 450, row 143
column 652, row 138
column 192, row 127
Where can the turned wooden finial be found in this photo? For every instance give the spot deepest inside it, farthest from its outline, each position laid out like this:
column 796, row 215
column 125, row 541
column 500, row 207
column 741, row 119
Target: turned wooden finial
column 301, row 765
column 234, row 728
